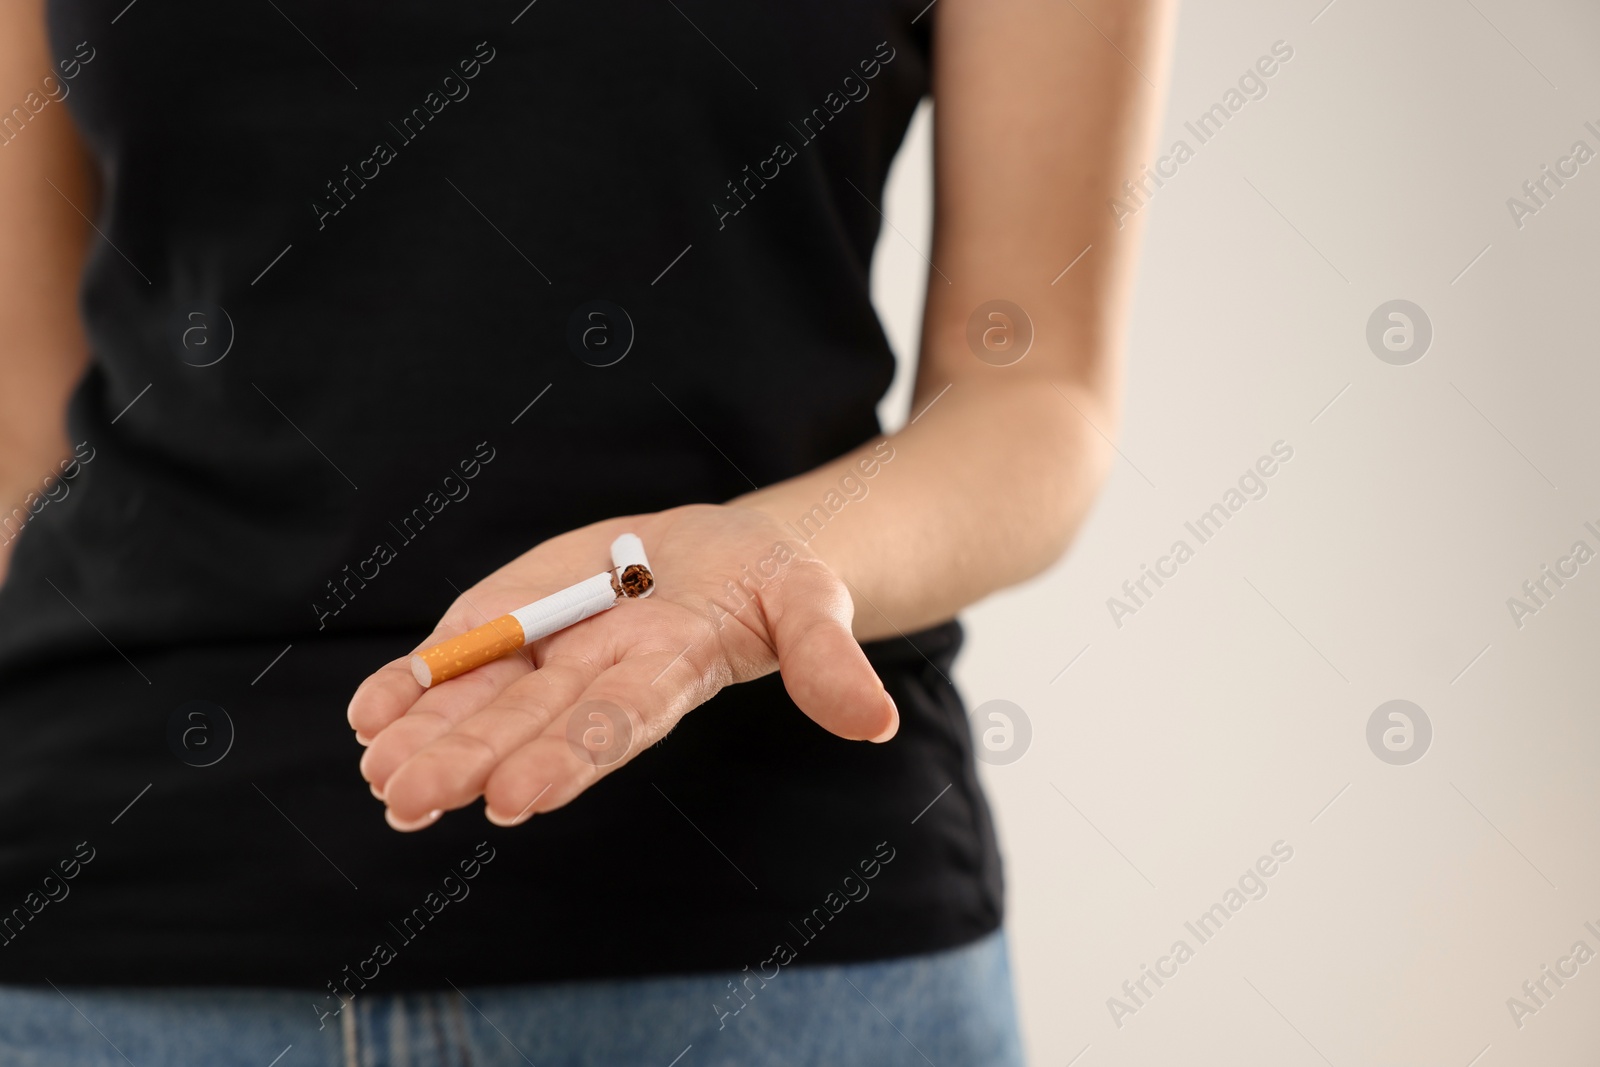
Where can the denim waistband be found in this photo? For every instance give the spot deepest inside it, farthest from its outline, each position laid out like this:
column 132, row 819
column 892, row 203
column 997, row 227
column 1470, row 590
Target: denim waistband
column 951, row 1007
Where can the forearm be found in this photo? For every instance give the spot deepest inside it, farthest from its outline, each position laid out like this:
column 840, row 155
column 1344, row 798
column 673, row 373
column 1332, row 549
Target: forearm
column 985, row 489
column 990, row 481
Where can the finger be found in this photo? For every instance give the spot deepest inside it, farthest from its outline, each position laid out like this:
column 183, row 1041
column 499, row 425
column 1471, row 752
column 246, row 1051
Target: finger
column 449, row 769
column 621, row 713
column 434, row 712
column 391, row 691
column 826, row 673
column 381, row 698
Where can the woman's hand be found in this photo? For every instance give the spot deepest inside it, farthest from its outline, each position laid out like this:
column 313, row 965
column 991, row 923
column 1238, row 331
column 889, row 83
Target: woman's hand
column 736, row 598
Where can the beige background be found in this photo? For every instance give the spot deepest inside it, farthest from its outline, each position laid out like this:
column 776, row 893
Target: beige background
column 1231, row 711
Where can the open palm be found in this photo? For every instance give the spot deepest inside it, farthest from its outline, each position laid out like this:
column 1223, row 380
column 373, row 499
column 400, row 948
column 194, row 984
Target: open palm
column 736, row 598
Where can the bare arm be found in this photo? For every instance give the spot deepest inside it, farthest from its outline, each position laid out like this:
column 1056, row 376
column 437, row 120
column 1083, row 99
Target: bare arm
column 42, row 347
column 1038, row 120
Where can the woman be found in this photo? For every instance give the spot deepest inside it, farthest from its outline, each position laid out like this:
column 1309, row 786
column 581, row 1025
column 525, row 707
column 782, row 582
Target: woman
column 321, row 322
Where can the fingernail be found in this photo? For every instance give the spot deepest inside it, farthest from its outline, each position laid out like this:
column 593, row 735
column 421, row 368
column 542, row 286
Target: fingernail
column 362, row 739
column 488, row 813
column 375, row 790
column 415, row 824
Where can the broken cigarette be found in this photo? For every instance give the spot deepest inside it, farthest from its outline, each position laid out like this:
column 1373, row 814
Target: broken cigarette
column 628, row 578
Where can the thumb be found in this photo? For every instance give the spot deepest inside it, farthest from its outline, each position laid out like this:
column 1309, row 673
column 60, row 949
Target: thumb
column 824, row 670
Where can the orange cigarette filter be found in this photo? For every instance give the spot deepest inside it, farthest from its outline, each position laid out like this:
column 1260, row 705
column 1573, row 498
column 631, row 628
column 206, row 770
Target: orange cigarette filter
column 457, row 655
column 629, row 577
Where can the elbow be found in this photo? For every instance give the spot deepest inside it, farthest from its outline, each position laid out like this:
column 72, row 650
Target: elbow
column 1076, row 438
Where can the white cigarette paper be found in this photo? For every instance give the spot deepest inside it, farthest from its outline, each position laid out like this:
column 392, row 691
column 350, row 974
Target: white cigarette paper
column 629, row 578
column 566, row 608
column 628, row 551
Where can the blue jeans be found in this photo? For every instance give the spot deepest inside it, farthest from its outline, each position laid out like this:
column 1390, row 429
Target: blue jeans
column 950, row 1009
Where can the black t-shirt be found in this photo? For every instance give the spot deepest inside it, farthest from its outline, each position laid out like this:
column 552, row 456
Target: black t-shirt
column 346, row 297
